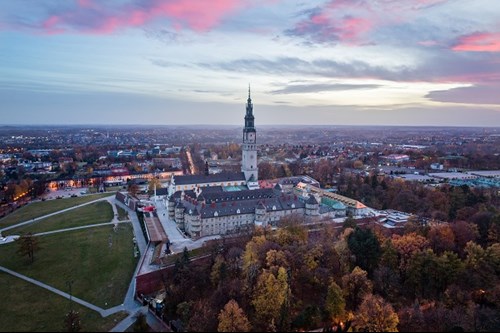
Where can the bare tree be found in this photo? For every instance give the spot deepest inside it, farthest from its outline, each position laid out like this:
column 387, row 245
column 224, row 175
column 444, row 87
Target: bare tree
column 28, row 244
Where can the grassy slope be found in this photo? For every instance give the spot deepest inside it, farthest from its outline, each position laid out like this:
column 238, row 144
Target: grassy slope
column 29, row 308
column 98, row 212
column 40, row 208
column 101, row 272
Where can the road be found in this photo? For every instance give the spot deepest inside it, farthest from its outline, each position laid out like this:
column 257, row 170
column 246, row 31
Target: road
column 192, row 169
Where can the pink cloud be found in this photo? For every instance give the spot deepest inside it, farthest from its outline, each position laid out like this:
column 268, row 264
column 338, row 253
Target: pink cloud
column 479, row 42
column 354, row 21
column 91, row 17
column 353, row 28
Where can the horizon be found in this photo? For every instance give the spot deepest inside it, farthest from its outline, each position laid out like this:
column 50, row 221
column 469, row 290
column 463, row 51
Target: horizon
column 187, row 62
column 241, row 126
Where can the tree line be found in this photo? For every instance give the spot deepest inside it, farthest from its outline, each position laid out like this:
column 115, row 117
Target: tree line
column 433, row 278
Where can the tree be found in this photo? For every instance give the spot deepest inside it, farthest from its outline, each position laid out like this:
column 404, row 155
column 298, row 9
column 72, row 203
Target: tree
column 140, row 324
column 441, row 238
column 356, row 286
column 233, row 319
column 133, row 189
column 269, row 298
column 365, row 246
column 406, row 245
column 219, row 271
column 154, row 183
column 266, row 170
column 72, row 322
column 375, row 315
column 28, row 245
column 464, row 232
column 335, row 302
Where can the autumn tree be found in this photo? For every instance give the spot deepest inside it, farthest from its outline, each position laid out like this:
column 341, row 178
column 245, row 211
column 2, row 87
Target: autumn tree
column 291, row 231
column 356, row 286
column 154, row 183
column 267, row 170
column 334, row 303
column 464, row 232
column 270, row 296
column 375, row 315
column 406, row 245
column 133, row 189
column 219, row 271
column 233, row 319
column 28, row 245
column 252, row 260
column 441, row 238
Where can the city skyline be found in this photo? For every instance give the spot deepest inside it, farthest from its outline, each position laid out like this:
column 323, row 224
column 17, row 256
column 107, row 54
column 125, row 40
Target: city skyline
column 338, row 62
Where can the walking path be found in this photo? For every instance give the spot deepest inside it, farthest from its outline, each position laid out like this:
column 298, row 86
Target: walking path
column 81, row 227
column 129, row 304
column 52, row 214
column 54, row 290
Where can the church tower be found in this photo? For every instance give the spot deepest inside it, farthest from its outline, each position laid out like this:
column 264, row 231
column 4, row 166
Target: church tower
column 249, row 148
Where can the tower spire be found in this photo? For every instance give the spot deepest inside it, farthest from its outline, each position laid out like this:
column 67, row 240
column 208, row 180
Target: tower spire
column 249, row 92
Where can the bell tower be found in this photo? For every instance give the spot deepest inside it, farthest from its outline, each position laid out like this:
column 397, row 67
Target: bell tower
column 249, row 147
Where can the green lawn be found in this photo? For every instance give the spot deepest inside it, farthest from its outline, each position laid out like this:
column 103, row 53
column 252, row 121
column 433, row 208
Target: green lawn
column 99, row 260
column 201, row 251
column 97, row 212
column 29, row 308
column 122, row 214
column 40, row 208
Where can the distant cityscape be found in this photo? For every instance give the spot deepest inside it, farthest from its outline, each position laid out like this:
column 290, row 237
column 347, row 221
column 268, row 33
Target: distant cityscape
column 191, row 191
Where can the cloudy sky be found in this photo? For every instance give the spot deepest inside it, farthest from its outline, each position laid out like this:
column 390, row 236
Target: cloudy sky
column 395, row 62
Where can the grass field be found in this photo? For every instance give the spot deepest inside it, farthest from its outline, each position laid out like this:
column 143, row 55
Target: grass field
column 99, row 260
column 201, row 251
column 122, row 214
column 29, row 308
column 40, row 208
column 97, row 212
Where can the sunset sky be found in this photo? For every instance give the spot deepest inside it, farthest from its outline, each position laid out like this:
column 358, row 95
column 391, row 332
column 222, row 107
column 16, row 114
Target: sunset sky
column 356, row 62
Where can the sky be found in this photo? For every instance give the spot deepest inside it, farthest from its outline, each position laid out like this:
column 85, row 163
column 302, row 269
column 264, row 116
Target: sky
column 172, row 62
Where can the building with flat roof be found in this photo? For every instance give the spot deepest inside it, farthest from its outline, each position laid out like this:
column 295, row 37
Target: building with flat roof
column 486, row 173
column 452, row 175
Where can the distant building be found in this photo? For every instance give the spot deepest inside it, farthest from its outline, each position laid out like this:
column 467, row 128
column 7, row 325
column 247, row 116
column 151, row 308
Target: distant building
column 437, row 166
column 396, row 158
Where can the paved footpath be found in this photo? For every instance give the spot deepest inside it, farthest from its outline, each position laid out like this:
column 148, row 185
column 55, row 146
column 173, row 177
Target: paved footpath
column 54, row 290
column 52, row 214
column 81, row 227
column 129, row 304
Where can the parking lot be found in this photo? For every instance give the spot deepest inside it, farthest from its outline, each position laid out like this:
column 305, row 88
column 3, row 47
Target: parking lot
column 66, row 193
